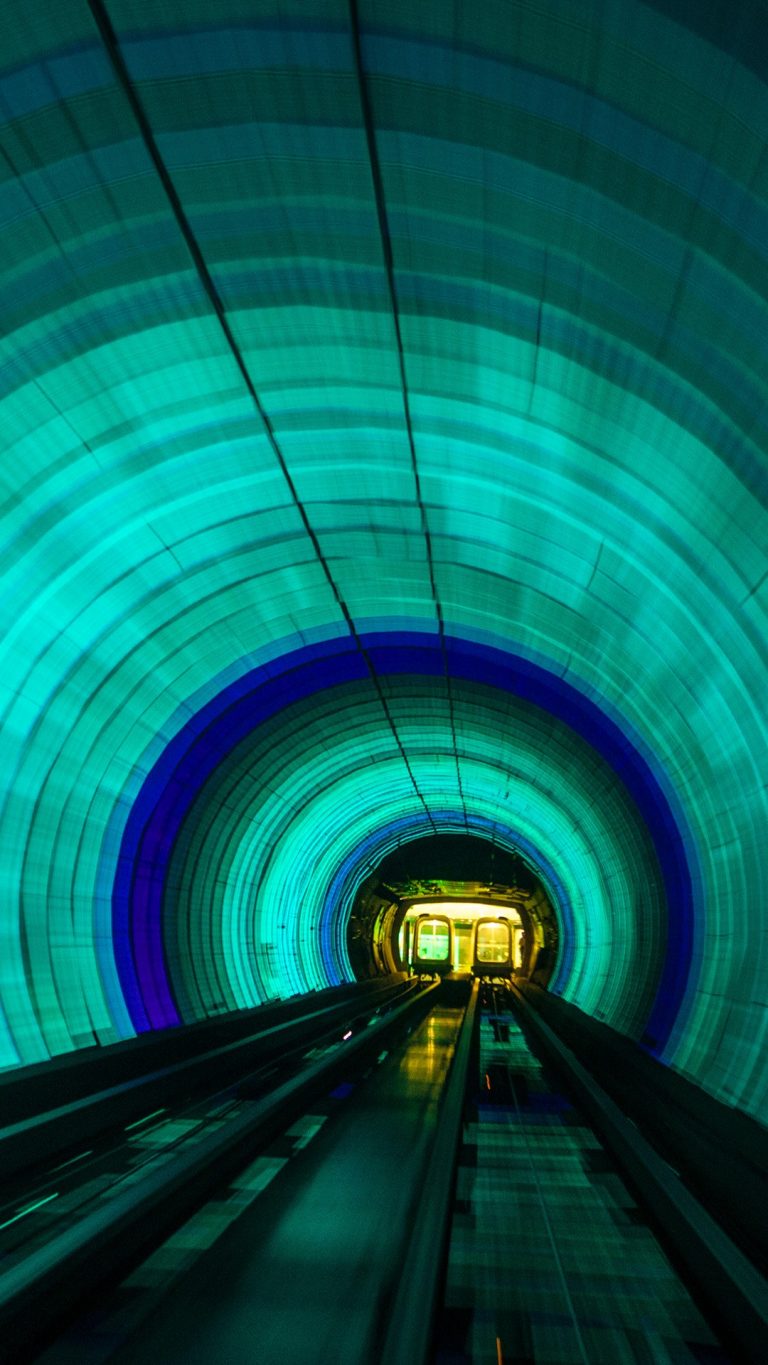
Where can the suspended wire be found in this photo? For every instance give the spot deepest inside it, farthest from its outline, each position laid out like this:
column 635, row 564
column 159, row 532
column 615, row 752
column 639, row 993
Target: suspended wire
column 122, row 75
column 387, row 253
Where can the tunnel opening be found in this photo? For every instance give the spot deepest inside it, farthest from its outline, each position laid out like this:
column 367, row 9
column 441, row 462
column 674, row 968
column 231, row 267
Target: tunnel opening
column 458, row 880
column 459, row 928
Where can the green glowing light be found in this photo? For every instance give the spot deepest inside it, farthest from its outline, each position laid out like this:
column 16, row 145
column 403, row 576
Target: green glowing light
column 30, row 1208
column 433, row 941
column 556, row 444
column 138, row 1123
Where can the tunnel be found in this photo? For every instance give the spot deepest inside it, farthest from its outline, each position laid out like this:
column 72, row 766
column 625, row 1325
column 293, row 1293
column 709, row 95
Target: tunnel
column 384, row 477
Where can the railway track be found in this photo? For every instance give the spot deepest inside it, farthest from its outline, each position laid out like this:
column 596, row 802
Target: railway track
column 442, row 1197
column 72, row 1226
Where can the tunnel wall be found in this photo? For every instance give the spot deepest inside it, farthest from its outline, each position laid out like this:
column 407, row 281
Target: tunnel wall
column 282, row 830
column 328, row 324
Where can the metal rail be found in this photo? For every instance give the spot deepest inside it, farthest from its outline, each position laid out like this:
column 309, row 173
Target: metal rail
column 42, row 1137
column 55, row 1279
column 733, row 1291
column 283, row 1048
column 412, row 1314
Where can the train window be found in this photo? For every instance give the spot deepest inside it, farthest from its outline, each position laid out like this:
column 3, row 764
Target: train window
column 493, row 943
column 433, row 943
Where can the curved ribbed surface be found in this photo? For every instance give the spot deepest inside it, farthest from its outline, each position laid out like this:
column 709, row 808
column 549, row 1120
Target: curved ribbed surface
column 326, row 324
column 249, row 896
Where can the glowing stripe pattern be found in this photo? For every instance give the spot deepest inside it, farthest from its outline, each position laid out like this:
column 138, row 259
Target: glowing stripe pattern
column 384, row 450
column 255, row 806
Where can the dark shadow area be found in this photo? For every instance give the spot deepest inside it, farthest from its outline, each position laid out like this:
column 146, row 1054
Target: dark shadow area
column 720, row 1152
column 454, row 867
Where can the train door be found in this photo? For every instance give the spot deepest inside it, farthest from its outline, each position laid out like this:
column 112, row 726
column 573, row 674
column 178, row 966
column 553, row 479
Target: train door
column 433, row 944
column 493, row 947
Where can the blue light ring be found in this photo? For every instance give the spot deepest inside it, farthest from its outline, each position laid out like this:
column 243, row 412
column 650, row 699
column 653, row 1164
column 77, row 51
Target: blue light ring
column 196, row 750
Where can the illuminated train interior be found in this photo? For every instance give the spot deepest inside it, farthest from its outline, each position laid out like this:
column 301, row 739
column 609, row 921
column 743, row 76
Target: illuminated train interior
column 461, row 938
column 383, row 676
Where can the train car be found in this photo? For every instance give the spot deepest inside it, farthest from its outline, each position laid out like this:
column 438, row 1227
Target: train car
column 493, row 947
column 433, row 944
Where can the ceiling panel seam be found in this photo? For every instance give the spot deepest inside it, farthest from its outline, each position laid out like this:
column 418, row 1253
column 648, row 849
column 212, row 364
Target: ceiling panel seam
column 122, row 75
column 388, row 256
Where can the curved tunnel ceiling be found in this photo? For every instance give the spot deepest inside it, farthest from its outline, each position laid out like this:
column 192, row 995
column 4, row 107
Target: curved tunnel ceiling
column 422, row 347
column 250, row 885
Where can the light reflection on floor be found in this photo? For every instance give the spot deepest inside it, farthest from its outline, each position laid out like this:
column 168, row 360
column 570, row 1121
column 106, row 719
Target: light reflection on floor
column 551, row 1260
column 290, row 1264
